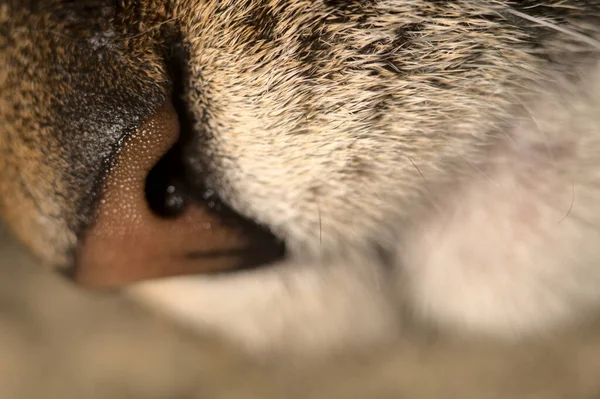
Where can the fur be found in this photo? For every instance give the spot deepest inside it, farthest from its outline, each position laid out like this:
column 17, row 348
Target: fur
column 422, row 160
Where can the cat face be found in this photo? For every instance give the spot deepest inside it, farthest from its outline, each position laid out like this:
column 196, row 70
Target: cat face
column 333, row 128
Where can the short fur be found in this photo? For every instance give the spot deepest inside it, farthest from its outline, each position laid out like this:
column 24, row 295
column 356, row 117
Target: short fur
column 430, row 159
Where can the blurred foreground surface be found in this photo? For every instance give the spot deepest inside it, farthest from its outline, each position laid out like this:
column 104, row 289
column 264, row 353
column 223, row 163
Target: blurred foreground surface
column 59, row 342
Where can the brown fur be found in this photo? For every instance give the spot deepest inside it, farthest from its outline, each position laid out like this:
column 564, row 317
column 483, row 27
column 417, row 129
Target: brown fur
column 340, row 125
column 284, row 55
column 43, row 47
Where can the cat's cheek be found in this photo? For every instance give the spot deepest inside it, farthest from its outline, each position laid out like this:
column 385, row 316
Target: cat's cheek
column 506, row 258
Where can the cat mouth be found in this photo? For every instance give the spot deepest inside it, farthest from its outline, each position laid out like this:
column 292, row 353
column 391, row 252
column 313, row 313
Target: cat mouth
column 149, row 226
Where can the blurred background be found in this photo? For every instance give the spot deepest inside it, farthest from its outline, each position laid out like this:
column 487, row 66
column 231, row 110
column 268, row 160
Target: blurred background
column 57, row 341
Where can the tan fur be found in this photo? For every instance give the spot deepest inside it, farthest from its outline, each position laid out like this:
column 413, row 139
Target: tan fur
column 422, row 160
column 317, row 160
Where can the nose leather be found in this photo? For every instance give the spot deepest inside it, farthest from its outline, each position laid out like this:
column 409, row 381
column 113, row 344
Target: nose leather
column 128, row 243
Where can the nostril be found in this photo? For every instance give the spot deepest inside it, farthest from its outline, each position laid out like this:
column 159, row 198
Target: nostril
column 148, row 225
column 166, row 191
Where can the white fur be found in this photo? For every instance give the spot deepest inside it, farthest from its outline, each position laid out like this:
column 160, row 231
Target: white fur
column 299, row 307
column 516, row 248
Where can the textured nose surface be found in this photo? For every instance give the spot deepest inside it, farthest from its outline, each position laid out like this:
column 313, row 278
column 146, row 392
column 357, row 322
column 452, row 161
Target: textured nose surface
column 129, row 242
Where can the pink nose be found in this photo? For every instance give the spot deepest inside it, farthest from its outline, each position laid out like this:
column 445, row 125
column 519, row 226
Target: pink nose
column 129, row 243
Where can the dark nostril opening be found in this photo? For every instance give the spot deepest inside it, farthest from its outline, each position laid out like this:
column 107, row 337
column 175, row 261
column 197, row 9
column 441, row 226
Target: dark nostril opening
column 169, row 194
column 165, row 188
column 149, row 224
column 177, row 194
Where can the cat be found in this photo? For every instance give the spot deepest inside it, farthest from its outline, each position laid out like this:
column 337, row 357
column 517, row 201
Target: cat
column 308, row 176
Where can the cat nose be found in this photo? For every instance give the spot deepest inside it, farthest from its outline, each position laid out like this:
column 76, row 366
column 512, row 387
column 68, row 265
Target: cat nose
column 148, row 226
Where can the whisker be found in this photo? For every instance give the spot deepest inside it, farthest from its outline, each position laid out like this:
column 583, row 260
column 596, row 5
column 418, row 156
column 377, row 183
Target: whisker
column 417, row 168
column 570, row 206
column 585, row 39
column 480, row 171
column 431, row 198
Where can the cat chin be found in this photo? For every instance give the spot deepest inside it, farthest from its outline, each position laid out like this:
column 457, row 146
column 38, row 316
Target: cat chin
column 291, row 308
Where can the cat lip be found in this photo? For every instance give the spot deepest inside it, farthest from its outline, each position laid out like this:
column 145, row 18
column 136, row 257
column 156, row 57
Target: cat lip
column 129, row 242
column 249, row 257
column 217, row 253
